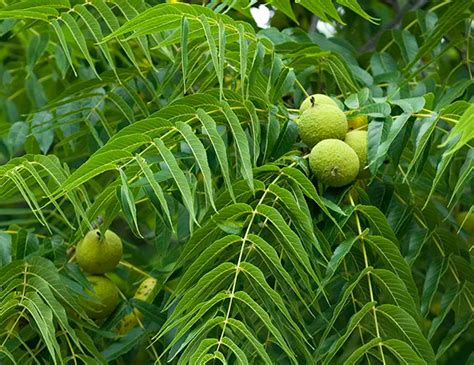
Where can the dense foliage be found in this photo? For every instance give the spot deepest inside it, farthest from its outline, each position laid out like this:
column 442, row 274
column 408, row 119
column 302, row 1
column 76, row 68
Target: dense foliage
column 173, row 125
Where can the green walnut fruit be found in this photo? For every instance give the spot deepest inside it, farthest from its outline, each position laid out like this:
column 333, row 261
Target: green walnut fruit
column 358, row 141
column 97, row 253
column 334, row 163
column 322, row 122
column 106, row 297
column 315, row 100
column 468, row 225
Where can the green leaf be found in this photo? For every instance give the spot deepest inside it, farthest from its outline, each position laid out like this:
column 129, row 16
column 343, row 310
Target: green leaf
column 258, row 281
column 354, row 322
column 37, row 177
column 77, row 35
column 122, row 105
column 398, row 291
column 404, row 323
column 356, row 8
column 454, row 333
column 127, row 202
column 178, row 176
column 94, row 27
column 252, row 305
column 285, row 7
column 41, row 128
column 113, row 24
column 215, row 277
column 200, row 156
column 458, row 137
column 202, row 350
column 395, row 128
column 156, row 188
column 361, row 351
column 390, row 254
column 300, row 220
column 150, row 126
column 5, row 249
column 210, row 231
column 338, row 256
column 222, row 47
column 377, row 222
column 243, row 51
column 124, row 345
column 447, row 302
column 255, row 124
column 321, row 9
column 36, row 49
column 25, row 245
column 209, row 126
column 241, row 144
column 291, row 242
column 270, row 255
column 213, row 51
column 129, row 143
column 270, row 133
column 448, row 20
column 379, row 110
column 40, row 13
column 247, row 334
column 94, row 166
column 28, row 196
column 185, row 322
column 239, row 354
column 62, row 41
column 347, row 291
column 206, row 259
column 308, row 189
column 436, row 269
column 403, row 352
column 410, row 105
column 422, row 139
column 407, row 44
column 184, row 50
column 37, row 4
column 17, row 135
column 340, row 71
column 43, row 317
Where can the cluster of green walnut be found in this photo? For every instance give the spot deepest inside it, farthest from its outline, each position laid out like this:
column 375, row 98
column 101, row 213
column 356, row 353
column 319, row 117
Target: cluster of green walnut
column 338, row 156
column 98, row 254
